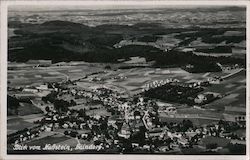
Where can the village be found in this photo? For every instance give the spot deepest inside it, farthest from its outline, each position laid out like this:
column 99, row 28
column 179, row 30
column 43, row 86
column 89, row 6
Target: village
column 117, row 122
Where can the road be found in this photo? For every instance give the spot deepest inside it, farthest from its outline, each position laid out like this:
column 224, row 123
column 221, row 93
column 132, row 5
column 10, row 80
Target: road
column 187, row 116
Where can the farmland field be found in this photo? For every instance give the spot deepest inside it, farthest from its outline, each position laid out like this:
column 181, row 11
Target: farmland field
column 222, row 142
column 30, row 75
column 28, row 109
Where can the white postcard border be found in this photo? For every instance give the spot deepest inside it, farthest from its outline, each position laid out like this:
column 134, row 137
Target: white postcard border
column 3, row 80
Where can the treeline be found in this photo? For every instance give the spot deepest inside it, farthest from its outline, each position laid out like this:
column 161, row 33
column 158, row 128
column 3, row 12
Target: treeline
column 214, row 35
column 199, row 67
column 217, row 49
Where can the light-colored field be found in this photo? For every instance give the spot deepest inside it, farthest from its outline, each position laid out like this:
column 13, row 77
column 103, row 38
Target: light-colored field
column 234, row 87
column 15, row 123
column 136, row 78
column 101, row 112
column 29, row 75
column 84, row 106
column 207, row 113
column 196, row 121
column 222, row 142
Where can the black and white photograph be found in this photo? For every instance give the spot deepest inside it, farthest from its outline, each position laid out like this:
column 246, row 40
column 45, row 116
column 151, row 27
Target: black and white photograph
column 126, row 79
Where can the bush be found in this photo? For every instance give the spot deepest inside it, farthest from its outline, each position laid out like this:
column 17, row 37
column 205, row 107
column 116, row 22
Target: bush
column 107, row 67
column 211, row 145
column 66, row 132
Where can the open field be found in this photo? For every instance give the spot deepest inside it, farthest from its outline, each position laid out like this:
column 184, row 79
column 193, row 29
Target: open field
column 28, row 109
column 30, row 75
column 85, row 106
column 100, row 111
column 222, row 142
column 207, row 113
column 235, row 89
column 136, row 78
column 196, row 121
column 15, row 123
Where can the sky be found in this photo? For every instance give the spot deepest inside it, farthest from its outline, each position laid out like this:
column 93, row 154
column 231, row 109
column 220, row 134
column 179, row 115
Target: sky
column 96, row 7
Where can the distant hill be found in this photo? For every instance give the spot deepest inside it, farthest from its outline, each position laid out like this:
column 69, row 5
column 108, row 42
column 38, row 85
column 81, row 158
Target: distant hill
column 68, row 41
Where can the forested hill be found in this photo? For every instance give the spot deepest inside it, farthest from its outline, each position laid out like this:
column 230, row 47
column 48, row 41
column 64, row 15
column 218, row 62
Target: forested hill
column 68, row 41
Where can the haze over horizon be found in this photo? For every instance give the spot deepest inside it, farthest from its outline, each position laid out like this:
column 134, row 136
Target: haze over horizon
column 107, row 7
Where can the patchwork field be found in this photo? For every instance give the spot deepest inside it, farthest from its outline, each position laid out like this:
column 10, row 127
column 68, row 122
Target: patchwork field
column 135, row 78
column 235, row 90
column 15, row 123
column 222, row 142
column 131, row 82
column 27, row 75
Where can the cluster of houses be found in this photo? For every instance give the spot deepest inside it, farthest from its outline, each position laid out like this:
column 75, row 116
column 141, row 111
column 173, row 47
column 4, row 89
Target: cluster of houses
column 133, row 115
column 230, row 67
column 31, row 92
column 97, row 79
column 206, row 97
column 214, row 80
column 40, row 63
column 157, row 83
column 24, row 135
column 36, row 89
column 176, row 82
column 136, row 115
